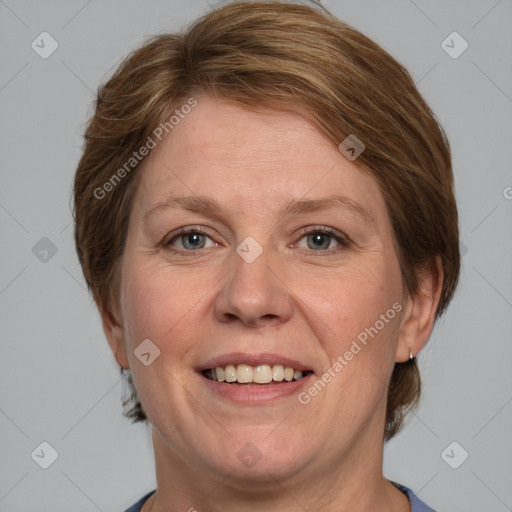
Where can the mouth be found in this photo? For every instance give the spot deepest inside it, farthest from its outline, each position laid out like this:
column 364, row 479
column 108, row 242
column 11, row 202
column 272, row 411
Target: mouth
column 251, row 379
column 261, row 374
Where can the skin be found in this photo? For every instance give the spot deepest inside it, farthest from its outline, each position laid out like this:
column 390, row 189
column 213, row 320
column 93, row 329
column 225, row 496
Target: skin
column 294, row 300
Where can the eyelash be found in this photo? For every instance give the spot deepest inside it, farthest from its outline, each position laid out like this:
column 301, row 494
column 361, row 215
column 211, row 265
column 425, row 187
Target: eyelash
column 342, row 239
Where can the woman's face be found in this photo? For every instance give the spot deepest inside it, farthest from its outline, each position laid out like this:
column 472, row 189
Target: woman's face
column 292, row 265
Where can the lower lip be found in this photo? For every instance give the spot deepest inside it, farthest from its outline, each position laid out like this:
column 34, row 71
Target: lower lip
column 256, row 393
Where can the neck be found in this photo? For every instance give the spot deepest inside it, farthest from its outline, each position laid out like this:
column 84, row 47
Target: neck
column 356, row 484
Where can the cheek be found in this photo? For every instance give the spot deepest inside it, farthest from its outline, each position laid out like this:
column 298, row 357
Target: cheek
column 159, row 304
column 360, row 309
column 348, row 300
column 359, row 313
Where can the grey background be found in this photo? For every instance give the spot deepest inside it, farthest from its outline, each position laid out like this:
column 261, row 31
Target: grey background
column 59, row 382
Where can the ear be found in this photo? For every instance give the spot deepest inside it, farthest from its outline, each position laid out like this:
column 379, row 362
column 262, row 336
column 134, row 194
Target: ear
column 420, row 312
column 114, row 332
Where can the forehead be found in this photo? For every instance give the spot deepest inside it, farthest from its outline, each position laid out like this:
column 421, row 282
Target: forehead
column 249, row 158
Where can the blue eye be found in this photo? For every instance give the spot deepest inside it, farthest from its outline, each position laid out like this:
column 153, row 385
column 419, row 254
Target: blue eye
column 320, row 239
column 190, row 239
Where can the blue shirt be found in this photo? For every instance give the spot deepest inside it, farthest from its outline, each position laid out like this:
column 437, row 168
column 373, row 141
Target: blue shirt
column 416, row 504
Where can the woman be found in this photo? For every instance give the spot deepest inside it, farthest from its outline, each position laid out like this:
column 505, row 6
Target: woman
column 265, row 217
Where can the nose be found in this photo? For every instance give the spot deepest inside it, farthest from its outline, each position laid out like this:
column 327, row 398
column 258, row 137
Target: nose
column 254, row 293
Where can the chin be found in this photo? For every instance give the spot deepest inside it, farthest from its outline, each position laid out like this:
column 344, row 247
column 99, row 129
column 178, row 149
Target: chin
column 266, row 470
column 256, row 459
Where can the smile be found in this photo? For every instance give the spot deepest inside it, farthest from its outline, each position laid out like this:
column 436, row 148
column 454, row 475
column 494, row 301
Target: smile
column 260, row 374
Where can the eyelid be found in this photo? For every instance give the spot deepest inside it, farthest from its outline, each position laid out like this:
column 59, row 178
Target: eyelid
column 341, row 238
column 186, row 230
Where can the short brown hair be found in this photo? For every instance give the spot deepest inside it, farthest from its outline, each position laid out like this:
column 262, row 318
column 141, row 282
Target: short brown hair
column 288, row 57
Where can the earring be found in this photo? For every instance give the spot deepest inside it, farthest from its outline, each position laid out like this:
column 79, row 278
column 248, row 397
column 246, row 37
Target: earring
column 411, row 357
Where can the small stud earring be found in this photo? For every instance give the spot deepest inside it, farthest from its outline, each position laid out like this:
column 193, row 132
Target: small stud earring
column 411, row 357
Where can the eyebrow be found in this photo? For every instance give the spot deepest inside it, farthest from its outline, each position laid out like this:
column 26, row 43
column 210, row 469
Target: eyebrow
column 208, row 206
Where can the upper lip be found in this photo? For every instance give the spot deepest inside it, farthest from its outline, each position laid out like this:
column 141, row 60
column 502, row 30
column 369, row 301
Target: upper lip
column 235, row 358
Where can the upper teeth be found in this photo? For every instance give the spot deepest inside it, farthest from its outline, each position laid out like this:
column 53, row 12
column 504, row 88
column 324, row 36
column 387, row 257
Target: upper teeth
column 261, row 374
